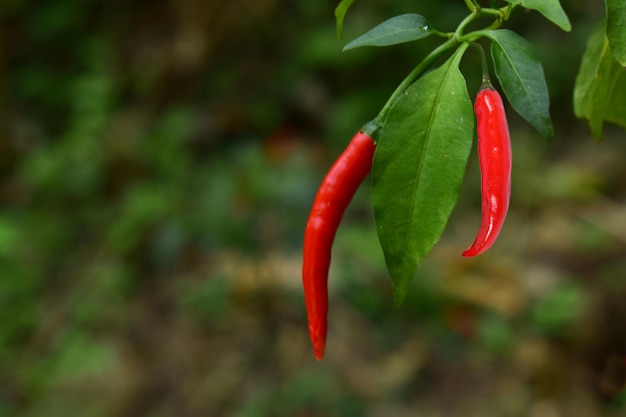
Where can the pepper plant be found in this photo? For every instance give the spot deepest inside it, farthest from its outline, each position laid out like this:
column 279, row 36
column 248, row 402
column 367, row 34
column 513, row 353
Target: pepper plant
column 421, row 139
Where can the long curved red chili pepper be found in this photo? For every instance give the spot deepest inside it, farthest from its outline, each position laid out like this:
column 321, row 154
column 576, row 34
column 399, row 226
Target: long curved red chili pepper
column 333, row 196
column 494, row 154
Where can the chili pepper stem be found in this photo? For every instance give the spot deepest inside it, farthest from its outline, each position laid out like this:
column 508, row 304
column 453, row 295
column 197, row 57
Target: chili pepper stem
column 486, row 80
column 453, row 39
column 471, row 5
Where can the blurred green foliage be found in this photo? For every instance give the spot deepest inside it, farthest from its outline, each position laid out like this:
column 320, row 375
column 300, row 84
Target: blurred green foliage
column 158, row 163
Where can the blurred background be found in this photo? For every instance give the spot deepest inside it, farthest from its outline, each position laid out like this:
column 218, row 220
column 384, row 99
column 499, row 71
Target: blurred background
column 158, row 160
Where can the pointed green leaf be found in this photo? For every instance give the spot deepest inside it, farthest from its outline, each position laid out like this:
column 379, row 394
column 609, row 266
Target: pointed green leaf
column 600, row 90
column 616, row 29
column 419, row 166
column 520, row 73
column 550, row 9
column 399, row 29
column 340, row 14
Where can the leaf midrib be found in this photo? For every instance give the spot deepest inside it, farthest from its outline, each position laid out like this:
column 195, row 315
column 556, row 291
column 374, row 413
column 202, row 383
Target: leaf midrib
column 411, row 219
column 512, row 67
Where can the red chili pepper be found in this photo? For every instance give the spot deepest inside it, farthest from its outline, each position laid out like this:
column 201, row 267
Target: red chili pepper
column 494, row 154
column 333, row 196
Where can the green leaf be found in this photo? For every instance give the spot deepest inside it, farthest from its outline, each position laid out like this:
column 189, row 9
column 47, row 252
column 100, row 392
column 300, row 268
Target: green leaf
column 399, row 29
column 550, row 9
column 419, row 166
column 520, row 73
column 600, row 90
column 340, row 14
column 616, row 29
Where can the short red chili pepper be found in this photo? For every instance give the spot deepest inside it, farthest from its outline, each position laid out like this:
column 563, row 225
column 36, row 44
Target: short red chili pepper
column 333, row 196
column 494, row 154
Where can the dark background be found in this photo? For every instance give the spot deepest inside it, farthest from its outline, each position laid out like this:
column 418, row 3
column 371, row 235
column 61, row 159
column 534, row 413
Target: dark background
column 158, row 160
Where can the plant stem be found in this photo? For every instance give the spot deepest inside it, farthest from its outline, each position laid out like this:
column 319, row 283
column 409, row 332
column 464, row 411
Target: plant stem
column 468, row 19
column 486, row 81
column 471, row 5
column 508, row 11
column 373, row 127
column 441, row 34
column 413, row 75
column 495, row 25
column 499, row 13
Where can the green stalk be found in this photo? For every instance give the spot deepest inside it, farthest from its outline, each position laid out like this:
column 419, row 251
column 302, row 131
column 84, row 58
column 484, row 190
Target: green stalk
column 495, row 12
column 373, row 126
column 454, row 39
column 468, row 19
column 508, row 11
column 471, row 5
column 500, row 15
column 486, row 81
